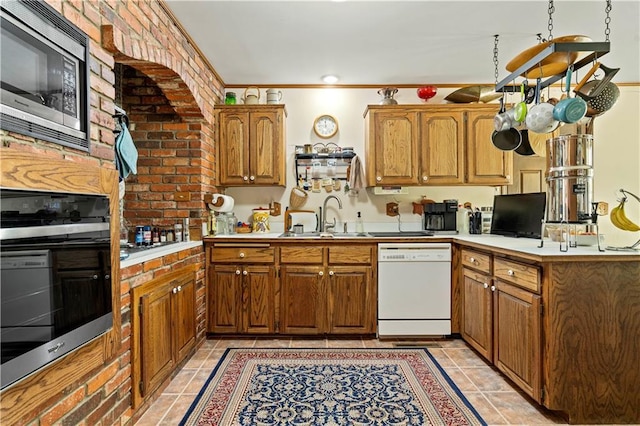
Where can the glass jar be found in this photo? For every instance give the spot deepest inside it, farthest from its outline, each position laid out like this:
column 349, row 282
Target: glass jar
column 230, row 98
column 232, row 222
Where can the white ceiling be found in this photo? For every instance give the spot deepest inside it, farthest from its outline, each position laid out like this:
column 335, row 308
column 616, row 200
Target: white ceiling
column 284, row 43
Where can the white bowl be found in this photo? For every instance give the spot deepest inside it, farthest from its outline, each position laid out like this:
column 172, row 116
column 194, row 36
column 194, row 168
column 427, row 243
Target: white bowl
column 540, row 119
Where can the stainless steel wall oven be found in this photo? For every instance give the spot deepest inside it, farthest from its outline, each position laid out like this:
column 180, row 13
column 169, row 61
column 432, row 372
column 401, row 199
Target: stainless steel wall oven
column 55, row 287
column 44, row 74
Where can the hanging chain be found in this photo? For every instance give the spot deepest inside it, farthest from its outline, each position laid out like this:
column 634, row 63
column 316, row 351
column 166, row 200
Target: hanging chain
column 551, row 9
column 495, row 56
column 607, row 21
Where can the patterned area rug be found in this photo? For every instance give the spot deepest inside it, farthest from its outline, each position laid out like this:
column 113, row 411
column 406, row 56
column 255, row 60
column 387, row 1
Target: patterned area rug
column 323, row 387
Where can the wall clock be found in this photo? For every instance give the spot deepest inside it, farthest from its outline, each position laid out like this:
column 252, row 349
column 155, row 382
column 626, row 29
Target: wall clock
column 325, row 126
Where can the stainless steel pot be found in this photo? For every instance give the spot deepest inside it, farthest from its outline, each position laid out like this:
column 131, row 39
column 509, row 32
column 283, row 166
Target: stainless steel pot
column 569, row 178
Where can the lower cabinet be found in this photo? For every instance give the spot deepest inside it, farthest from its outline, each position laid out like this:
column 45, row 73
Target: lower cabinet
column 501, row 316
column 163, row 328
column 241, row 286
column 332, row 293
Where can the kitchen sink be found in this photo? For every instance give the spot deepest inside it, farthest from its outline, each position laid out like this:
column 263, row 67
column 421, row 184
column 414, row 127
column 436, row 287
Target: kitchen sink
column 324, row 235
column 400, row 234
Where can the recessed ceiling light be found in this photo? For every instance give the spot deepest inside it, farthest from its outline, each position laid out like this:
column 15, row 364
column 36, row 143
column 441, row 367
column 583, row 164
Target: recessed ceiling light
column 330, row 79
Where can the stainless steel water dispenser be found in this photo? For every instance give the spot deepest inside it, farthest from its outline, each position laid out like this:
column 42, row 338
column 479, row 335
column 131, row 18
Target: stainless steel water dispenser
column 570, row 179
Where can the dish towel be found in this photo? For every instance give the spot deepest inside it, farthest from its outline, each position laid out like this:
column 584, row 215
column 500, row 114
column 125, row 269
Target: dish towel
column 356, row 178
column 126, row 153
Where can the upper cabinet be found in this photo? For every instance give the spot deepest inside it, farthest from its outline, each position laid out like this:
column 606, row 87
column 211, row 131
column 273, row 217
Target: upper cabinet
column 251, row 142
column 433, row 145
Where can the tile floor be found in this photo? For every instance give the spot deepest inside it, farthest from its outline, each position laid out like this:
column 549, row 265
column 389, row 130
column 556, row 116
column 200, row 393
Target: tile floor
column 497, row 401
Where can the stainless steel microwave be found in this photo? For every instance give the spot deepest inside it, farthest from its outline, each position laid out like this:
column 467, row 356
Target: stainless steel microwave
column 43, row 74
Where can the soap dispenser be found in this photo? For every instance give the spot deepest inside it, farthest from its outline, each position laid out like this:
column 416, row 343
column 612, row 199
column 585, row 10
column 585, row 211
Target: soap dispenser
column 359, row 224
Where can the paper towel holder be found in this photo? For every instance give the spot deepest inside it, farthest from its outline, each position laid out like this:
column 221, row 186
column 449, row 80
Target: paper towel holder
column 208, row 198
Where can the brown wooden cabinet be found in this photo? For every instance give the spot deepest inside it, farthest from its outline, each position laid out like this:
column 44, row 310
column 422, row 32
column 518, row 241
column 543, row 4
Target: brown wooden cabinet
column 333, row 293
column 163, row 329
column 241, row 285
column 501, row 316
column 433, row 145
column 251, row 144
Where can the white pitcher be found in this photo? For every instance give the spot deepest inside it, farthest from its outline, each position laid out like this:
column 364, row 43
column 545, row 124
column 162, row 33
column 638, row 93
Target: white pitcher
column 274, row 96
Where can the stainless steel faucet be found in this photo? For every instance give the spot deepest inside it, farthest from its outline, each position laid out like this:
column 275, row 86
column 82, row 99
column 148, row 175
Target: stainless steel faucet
column 324, row 225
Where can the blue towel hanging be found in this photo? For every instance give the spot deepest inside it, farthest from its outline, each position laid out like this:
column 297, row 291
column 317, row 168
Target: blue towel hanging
column 126, row 152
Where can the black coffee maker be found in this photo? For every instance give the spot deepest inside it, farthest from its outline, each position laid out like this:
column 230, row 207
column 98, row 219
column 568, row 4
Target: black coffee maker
column 440, row 218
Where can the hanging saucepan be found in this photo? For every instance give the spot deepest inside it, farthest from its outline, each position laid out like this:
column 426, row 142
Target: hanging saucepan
column 600, row 95
column 506, row 140
column 540, row 117
column 570, row 110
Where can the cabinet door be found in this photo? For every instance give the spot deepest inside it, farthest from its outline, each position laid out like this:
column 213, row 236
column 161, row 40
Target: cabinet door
column 303, row 301
column 350, row 301
column 233, row 151
column 518, row 350
column 442, row 148
column 157, row 350
column 486, row 164
column 225, row 298
column 184, row 300
column 265, row 148
column 258, row 299
column 395, row 145
column 477, row 325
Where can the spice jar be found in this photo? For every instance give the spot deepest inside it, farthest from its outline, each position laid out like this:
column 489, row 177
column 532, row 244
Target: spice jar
column 230, row 98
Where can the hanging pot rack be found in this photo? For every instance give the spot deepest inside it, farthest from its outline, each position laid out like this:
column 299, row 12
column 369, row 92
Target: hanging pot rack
column 597, row 49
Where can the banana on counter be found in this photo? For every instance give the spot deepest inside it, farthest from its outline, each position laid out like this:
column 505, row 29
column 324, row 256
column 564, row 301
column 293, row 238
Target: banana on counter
column 619, row 217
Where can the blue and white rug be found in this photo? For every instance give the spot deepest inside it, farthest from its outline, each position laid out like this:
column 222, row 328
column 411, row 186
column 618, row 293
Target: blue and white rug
column 330, row 387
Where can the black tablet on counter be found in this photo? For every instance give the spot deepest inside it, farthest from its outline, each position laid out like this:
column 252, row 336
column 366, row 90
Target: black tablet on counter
column 518, row 215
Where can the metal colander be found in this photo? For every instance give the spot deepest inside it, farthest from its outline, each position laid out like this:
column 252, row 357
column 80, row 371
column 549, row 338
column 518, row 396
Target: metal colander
column 603, row 101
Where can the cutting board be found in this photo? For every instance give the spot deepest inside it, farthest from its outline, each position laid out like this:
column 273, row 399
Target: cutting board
column 306, row 218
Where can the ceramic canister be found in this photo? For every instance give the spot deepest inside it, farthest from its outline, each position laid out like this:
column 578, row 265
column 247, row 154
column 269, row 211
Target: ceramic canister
column 261, row 220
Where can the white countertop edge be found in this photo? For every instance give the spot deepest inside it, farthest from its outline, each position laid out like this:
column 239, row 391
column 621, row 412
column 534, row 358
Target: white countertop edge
column 154, row 253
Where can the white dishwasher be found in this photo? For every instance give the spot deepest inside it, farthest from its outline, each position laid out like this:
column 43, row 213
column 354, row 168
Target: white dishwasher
column 414, row 289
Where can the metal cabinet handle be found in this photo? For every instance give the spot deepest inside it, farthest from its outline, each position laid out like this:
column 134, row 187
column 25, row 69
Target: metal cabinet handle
column 485, row 285
column 493, row 288
column 245, row 273
column 510, row 273
column 242, row 255
column 237, row 272
column 321, row 273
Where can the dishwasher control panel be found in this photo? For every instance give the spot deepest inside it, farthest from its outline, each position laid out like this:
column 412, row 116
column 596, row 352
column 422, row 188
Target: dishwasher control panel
column 408, row 252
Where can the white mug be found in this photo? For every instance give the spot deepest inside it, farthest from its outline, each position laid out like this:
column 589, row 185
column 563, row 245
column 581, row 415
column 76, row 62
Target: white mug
column 274, row 96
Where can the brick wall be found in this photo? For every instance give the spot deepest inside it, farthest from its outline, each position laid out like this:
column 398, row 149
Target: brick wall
column 169, row 185
column 143, row 36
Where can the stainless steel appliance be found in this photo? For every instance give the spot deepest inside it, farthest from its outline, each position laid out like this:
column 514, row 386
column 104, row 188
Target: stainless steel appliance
column 570, row 179
column 414, row 289
column 55, row 288
column 441, row 218
column 44, row 74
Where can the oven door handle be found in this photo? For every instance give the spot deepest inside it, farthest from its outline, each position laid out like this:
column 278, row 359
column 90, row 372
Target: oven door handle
column 47, row 231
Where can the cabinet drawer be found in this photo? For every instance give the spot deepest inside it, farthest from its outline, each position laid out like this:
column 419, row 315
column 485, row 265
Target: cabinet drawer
column 243, row 254
column 520, row 274
column 350, row 255
column 298, row 254
column 476, row 260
